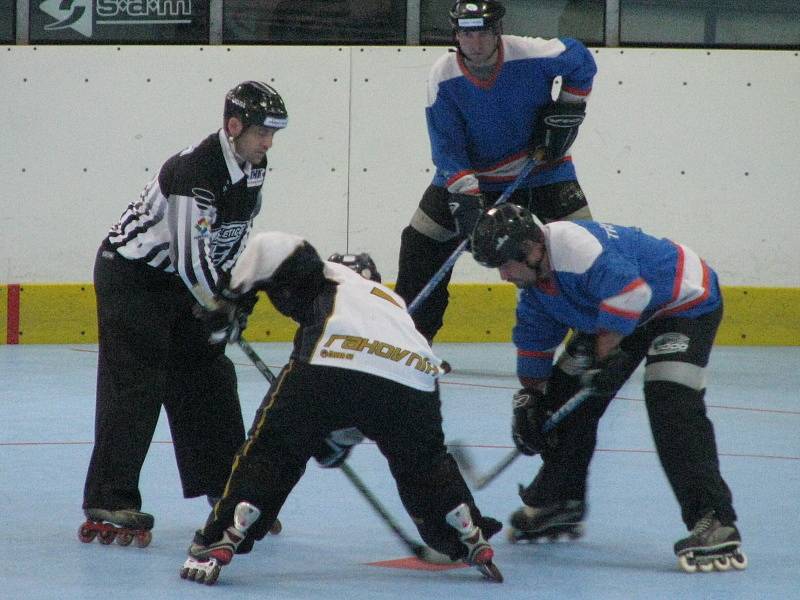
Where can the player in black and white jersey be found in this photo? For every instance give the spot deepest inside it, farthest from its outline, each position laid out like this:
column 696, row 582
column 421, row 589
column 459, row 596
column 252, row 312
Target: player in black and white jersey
column 164, row 264
column 358, row 361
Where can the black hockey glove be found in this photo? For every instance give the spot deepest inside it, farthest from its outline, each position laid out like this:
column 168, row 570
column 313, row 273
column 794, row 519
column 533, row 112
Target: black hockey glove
column 229, row 321
column 609, row 374
column 555, row 129
column 526, row 423
column 337, row 447
column 466, row 210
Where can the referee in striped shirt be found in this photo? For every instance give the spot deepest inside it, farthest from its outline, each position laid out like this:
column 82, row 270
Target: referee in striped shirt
column 172, row 250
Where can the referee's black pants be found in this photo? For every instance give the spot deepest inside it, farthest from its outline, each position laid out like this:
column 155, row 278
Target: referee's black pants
column 154, row 352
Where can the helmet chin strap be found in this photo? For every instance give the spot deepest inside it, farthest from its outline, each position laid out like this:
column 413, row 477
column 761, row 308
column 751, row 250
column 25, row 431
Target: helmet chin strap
column 232, row 141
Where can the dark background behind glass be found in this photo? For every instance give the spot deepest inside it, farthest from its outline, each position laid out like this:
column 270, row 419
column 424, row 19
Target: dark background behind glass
column 681, row 23
column 314, row 21
column 708, row 23
column 195, row 32
column 8, row 15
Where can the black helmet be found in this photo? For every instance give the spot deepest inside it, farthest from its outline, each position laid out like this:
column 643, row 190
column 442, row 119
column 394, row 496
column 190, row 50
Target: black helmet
column 499, row 233
column 476, row 15
column 256, row 103
column 360, row 263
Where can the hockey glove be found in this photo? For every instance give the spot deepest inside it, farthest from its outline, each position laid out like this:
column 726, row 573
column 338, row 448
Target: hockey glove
column 529, row 416
column 337, row 447
column 608, row 374
column 555, row 129
column 229, row 321
column 466, row 210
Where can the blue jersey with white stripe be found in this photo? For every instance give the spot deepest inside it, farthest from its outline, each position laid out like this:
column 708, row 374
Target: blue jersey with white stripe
column 606, row 278
column 480, row 130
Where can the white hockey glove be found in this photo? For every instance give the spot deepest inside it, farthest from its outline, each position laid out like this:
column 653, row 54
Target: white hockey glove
column 337, row 447
column 229, row 321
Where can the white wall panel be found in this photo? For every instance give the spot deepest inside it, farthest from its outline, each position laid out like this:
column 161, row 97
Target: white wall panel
column 119, row 113
column 697, row 145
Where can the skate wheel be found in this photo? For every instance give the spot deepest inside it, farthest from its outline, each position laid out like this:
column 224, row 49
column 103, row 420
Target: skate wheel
column 687, row 564
column 739, row 560
column 706, row 567
column 124, row 539
column 143, row 539
column 276, row 527
column 213, row 575
column 184, row 572
column 106, row 537
column 576, row 532
column 723, row 563
column 86, row 534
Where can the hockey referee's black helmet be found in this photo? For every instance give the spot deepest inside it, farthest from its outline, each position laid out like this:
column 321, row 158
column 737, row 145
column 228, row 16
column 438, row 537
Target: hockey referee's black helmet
column 474, row 16
column 256, row 103
column 500, row 232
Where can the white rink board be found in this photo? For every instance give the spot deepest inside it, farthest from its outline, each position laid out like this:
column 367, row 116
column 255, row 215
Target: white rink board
column 696, row 145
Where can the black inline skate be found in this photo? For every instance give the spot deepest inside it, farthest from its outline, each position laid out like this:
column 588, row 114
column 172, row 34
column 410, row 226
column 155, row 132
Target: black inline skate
column 711, row 546
column 123, row 525
column 551, row 522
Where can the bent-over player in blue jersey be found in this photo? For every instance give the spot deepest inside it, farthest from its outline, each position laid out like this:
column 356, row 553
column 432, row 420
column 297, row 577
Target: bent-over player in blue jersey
column 490, row 105
column 630, row 297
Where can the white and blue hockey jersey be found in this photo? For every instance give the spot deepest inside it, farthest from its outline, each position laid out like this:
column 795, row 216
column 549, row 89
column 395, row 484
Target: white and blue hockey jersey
column 480, row 130
column 607, row 278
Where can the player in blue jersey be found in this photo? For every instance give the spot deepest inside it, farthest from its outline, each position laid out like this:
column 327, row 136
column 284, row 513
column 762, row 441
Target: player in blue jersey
column 630, row 297
column 490, row 106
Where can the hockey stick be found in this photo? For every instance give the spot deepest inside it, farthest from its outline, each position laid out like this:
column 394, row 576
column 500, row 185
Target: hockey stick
column 421, row 551
column 451, row 260
column 255, row 359
column 481, row 481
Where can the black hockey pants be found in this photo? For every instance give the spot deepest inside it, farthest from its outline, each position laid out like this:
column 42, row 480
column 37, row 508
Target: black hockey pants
column 305, row 404
column 676, row 351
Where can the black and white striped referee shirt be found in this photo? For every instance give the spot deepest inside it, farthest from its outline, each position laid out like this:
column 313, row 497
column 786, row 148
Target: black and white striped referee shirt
column 194, row 217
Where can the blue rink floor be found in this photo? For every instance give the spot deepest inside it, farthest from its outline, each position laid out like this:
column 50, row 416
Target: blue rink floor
column 331, row 535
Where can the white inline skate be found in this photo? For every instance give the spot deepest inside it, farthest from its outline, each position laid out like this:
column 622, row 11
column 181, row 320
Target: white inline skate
column 479, row 552
column 205, row 562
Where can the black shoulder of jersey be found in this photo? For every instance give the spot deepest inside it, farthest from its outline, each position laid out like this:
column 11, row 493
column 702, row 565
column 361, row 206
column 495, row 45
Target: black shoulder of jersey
column 197, row 171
